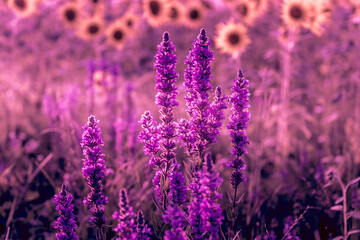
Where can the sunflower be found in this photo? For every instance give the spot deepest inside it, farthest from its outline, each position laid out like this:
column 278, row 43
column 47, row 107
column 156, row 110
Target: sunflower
column 231, row 38
column 155, row 11
column 321, row 13
column 130, row 20
column 70, row 14
column 23, row 8
column 91, row 28
column 245, row 9
column 194, row 15
column 117, row 33
column 176, row 12
column 296, row 12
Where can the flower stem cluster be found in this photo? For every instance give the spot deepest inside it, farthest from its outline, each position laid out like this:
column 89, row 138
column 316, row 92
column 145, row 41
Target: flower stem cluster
column 94, row 170
column 66, row 222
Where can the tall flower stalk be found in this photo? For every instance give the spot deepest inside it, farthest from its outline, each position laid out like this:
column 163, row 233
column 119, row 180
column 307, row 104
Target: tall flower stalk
column 94, row 171
column 66, row 222
column 161, row 137
column 238, row 123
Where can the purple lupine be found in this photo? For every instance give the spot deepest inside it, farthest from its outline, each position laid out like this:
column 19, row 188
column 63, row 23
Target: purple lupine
column 94, row 170
column 142, row 229
column 238, row 122
column 204, row 118
column 66, row 222
column 175, row 218
column 125, row 228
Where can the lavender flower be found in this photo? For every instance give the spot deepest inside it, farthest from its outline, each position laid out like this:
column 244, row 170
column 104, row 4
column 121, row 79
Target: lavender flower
column 142, row 229
column 66, row 222
column 94, row 170
column 238, row 122
column 175, row 218
column 125, row 228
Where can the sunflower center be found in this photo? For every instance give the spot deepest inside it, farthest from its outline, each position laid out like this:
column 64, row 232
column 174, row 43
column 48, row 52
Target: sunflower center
column 154, row 7
column 118, row 35
column 234, row 38
column 296, row 12
column 21, row 4
column 194, row 14
column 243, row 9
column 174, row 13
column 129, row 23
column 93, row 29
column 70, row 15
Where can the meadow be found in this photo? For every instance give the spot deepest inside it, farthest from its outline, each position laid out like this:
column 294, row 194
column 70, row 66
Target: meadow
column 180, row 119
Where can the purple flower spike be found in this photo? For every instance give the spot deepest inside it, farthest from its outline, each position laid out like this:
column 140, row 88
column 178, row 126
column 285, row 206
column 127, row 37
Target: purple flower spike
column 66, row 222
column 175, row 218
column 150, row 137
column 166, row 76
column 143, row 231
column 177, row 192
column 125, row 229
column 204, row 118
column 217, row 114
column 238, row 122
column 94, row 170
column 166, row 97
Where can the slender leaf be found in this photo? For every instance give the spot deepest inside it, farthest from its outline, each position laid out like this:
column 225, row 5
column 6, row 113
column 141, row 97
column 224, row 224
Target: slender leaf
column 337, row 208
column 339, row 200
